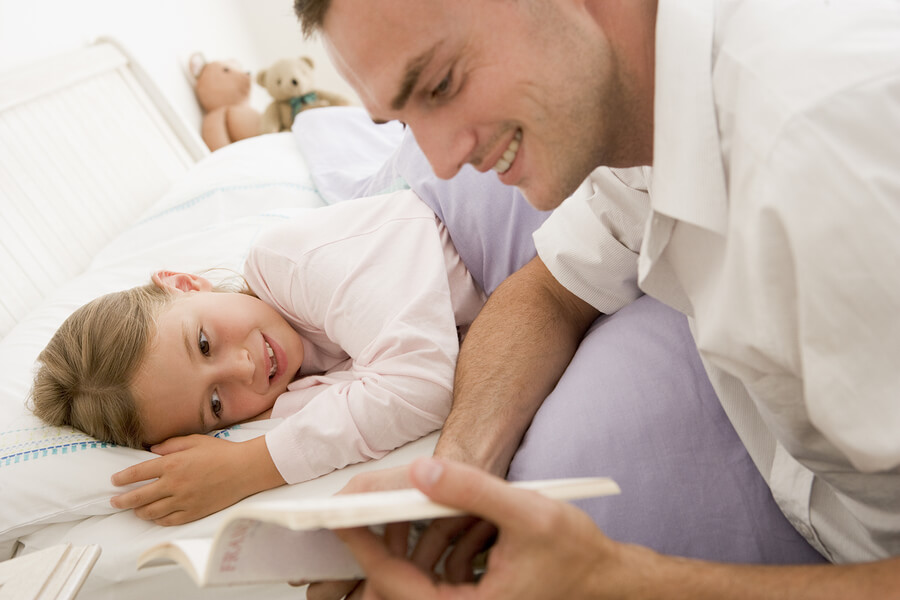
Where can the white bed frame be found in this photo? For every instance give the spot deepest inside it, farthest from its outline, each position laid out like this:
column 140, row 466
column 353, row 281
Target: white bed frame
column 87, row 141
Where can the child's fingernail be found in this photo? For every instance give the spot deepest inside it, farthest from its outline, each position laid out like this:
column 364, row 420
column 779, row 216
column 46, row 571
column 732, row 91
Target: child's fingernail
column 428, row 471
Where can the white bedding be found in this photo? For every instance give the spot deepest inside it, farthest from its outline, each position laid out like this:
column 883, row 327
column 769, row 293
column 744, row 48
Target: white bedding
column 54, row 482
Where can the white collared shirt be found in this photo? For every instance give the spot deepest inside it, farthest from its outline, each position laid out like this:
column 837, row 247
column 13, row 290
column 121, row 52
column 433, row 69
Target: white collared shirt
column 775, row 225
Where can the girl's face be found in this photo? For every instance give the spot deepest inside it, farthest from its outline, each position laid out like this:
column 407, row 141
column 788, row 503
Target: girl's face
column 217, row 359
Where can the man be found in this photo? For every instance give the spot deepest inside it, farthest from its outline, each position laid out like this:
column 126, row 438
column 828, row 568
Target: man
column 771, row 128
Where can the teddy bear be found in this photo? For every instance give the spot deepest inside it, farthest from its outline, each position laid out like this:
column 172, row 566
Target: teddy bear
column 223, row 90
column 290, row 83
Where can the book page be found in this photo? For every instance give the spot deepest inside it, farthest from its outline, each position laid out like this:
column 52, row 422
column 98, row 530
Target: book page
column 274, row 553
column 191, row 554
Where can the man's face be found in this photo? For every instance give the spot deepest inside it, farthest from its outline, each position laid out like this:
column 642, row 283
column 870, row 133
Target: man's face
column 522, row 87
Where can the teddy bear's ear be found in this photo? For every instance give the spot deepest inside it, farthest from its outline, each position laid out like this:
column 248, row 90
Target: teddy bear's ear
column 308, row 61
column 195, row 65
column 261, row 78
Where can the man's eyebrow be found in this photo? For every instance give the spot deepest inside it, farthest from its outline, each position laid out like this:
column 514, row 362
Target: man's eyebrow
column 411, row 76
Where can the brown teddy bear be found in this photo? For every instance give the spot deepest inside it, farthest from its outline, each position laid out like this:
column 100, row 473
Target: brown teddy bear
column 290, row 82
column 223, row 91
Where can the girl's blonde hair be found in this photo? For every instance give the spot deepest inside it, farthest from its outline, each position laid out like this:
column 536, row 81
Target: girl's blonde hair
column 85, row 373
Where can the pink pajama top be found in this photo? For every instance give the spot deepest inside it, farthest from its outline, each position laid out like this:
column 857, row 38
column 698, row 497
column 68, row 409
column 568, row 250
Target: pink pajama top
column 379, row 295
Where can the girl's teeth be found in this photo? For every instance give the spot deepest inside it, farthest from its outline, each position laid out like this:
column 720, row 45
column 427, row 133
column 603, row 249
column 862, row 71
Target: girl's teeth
column 274, row 367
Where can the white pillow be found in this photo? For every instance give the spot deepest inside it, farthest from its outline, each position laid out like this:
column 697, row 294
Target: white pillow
column 344, row 148
column 208, row 219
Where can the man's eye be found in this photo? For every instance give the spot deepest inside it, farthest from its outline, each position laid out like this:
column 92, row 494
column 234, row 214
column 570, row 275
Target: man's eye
column 203, row 344
column 443, row 87
column 215, row 404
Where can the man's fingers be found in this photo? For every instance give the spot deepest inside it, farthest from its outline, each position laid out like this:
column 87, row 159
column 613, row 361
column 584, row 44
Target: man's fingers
column 475, row 492
column 376, row 481
column 389, row 576
column 460, row 563
column 359, row 592
column 436, row 538
column 330, row 590
column 396, row 537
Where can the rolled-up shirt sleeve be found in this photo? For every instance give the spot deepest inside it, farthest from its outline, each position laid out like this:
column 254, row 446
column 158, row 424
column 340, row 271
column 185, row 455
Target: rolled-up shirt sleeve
column 591, row 242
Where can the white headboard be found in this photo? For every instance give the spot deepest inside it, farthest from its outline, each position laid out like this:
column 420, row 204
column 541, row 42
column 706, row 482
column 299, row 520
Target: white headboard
column 62, row 197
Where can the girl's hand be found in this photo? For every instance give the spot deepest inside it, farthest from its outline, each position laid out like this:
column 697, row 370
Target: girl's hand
column 196, row 476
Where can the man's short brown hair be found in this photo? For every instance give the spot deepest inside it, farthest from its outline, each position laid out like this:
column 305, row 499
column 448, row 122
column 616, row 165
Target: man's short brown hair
column 311, row 14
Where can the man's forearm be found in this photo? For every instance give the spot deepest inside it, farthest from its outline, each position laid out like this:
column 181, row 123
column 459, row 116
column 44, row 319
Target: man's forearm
column 512, row 357
column 677, row 579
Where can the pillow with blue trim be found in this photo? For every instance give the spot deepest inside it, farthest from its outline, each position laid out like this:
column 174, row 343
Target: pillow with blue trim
column 208, row 220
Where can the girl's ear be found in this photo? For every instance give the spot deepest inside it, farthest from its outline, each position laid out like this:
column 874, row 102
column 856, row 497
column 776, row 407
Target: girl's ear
column 180, row 282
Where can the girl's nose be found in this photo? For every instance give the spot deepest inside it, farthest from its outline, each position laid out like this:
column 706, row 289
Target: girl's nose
column 238, row 367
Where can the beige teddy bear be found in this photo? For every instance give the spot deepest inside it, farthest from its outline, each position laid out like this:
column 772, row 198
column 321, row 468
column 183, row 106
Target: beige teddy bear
column 223, row 90
column 290, row 82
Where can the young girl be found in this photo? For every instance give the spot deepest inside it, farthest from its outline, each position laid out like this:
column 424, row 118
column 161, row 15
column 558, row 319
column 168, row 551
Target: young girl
column 351, row 337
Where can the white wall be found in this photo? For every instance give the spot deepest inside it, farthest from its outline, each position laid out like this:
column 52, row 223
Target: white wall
column 162, row 34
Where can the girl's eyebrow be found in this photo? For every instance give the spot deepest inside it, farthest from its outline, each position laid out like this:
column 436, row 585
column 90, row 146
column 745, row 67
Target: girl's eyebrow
column 188, row 344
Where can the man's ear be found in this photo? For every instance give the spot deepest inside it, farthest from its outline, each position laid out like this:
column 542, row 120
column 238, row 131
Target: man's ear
column 180, row 282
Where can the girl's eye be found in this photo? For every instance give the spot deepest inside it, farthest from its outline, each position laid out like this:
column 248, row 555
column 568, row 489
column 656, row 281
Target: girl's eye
column 443, row 87
column 203, row 344
column 215, row 404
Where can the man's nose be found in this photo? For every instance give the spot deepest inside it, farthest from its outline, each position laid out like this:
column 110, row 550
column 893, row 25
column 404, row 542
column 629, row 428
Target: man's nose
column 446, row 146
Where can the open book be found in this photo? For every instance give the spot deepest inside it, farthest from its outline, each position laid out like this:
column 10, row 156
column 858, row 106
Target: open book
column 279, row 541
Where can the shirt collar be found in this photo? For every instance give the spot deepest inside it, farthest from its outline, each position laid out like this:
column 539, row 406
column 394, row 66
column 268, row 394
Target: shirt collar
column 688, row 175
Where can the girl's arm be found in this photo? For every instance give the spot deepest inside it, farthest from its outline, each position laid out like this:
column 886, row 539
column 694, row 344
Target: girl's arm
column 196, row 476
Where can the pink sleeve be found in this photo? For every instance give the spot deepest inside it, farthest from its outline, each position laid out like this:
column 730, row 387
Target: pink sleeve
column 379, row 291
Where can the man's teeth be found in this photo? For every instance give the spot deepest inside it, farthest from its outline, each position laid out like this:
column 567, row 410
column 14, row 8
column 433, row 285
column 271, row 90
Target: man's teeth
column 271, row 358
column 509, row 155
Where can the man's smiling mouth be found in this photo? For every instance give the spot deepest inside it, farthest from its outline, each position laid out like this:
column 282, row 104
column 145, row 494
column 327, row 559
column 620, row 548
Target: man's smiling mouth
column 509, row 155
